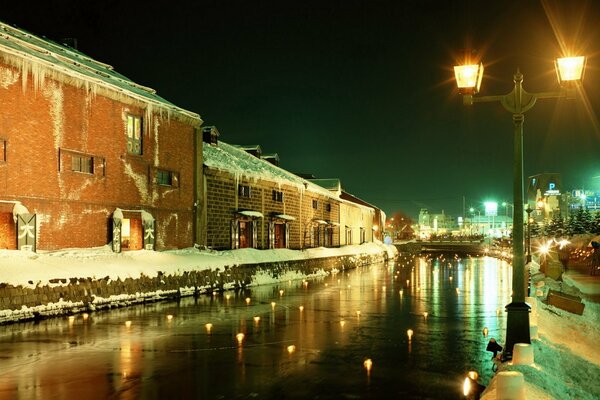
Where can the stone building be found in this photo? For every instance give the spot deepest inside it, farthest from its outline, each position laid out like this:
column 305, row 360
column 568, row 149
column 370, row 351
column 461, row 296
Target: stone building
column 250, row 202
column 89, row 157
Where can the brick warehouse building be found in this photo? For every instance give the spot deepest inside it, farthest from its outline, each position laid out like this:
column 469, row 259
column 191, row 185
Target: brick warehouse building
column 88, row 156
column 251, row 202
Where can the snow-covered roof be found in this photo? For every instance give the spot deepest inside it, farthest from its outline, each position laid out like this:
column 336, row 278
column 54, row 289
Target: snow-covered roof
column 45, row 58
column 234, row 160
column 333, row 184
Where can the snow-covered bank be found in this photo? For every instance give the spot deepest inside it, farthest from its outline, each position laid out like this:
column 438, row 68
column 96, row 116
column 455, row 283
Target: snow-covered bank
column 32, row 269
column 42, row 285
column 567, row 358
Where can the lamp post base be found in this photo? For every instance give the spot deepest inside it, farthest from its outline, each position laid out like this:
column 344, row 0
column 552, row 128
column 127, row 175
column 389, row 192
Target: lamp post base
column 517, row 327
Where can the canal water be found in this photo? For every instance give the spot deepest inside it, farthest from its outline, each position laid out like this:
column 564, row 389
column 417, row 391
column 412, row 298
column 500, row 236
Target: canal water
column 308, row 339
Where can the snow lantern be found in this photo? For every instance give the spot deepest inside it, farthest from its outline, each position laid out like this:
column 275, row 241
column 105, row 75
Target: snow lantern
column 511, row 386
column 532, row 303
column 533, row 332
column 522, row 354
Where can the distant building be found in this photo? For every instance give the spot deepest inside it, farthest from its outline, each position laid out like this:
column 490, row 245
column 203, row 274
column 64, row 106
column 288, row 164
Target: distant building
column 250, row 202
column 545, row 196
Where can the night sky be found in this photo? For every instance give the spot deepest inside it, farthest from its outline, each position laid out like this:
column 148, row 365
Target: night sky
column 359, row 90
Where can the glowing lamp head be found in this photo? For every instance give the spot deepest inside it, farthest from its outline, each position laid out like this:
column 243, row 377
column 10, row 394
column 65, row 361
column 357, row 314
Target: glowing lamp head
column 291, row 349
column 570, row 69
column 368, row 364
column 409, row 333
column 468, row 78
column 485, row 331
column 248, row 300
column 208, row 327
column 473, row 375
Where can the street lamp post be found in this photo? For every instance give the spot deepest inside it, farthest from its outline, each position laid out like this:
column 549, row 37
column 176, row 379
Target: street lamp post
column 529, row 210
column 517, row 102
column 472, row 210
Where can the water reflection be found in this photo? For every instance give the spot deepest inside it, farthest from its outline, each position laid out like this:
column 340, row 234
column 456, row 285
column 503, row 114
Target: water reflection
column 296, row 339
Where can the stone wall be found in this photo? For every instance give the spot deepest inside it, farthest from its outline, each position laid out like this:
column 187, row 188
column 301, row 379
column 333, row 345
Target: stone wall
column 71, row 295
column 223, row 200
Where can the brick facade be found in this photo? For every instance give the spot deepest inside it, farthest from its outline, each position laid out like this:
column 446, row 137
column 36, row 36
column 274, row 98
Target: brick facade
column 47, row 123
column 223, row 202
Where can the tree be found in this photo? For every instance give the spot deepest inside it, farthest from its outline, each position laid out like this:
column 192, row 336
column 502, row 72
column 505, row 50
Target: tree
column 578, row 222
column 595, row 228
column 401, row 225
column 556, row 227
column 535, row 229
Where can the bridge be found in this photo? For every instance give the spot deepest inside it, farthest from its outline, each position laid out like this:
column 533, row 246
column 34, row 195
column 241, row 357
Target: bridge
column 445, row 246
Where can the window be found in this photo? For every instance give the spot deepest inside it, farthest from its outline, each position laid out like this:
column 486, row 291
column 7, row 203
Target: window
column 277, row 196
column 328, row 207
column 134, row 135
column 164, row 177
column 2, row 149
column 244, row 191
column 315, row 204
column 82, row 163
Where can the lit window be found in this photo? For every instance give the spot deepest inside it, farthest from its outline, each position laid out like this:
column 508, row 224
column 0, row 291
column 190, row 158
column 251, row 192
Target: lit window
column 134, row 135
column 81, row 163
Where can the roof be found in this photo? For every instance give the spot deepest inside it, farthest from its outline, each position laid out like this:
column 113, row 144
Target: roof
column 333, row 184
column 254, row 147
column 270, row 155
column 45, row 58
column 239, row 163
column 354, row 199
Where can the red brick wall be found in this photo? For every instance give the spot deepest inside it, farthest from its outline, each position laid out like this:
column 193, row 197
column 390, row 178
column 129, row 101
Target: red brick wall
column 74, row 208
column 8, row 238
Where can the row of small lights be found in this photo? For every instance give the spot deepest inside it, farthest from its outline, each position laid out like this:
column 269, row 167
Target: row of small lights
column 368, row 363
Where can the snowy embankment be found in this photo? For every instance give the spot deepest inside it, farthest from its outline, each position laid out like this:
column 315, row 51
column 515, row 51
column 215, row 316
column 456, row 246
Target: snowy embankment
column 44, row 268
column 38, row 285
column 566, row 355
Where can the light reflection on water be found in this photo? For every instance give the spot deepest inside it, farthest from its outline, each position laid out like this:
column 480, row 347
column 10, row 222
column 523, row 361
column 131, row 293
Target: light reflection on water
column 333, row 324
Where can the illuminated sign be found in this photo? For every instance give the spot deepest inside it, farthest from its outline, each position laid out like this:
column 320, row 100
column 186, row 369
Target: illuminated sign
column 491, row 208
column 552, row 190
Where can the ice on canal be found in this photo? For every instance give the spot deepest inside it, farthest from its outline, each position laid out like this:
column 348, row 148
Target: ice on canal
column 406, row 330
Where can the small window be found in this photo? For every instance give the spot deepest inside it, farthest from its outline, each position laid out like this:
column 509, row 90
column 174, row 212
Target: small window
column 82, row 163
column 315, row 204
column 164, row 177
column 328, row 207
column 277, row 196
column 134, row 135
column 2, row 149
column 244, row 191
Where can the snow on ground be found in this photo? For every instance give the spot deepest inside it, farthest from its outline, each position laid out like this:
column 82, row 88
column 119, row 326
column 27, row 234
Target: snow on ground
column 567, row 357
column 30, row 269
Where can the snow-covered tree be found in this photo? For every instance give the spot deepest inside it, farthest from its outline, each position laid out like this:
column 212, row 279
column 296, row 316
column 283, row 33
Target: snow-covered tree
column 536, row 230
column 556, row 227
column 577, row 223
column 595, row 228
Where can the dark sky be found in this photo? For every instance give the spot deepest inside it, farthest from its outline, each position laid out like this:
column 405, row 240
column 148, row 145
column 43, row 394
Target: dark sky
column 359, row 90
